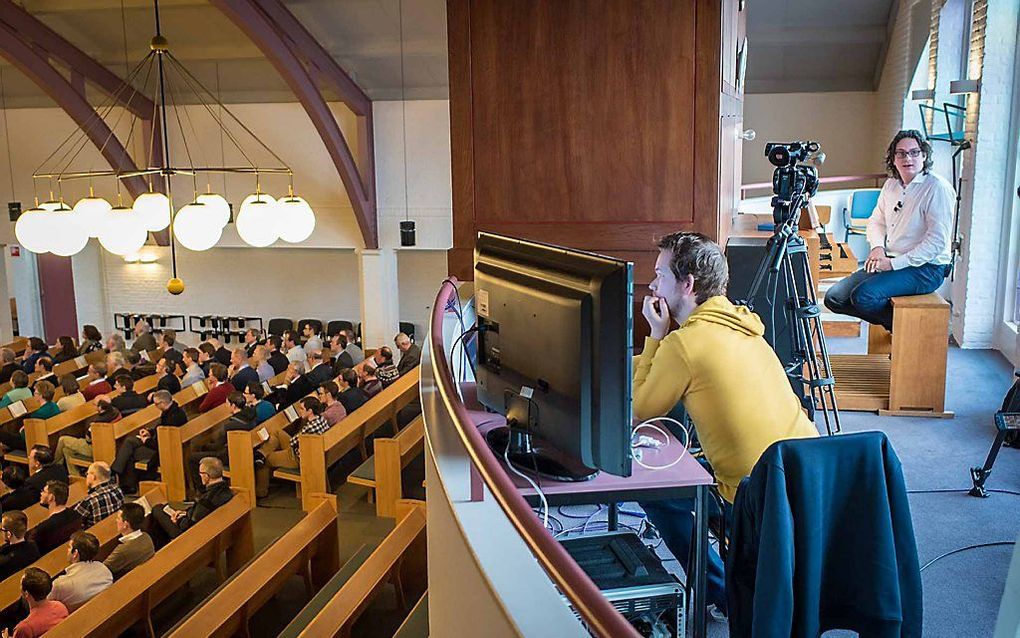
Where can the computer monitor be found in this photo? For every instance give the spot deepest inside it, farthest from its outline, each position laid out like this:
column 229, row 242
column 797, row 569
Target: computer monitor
column 554, row 355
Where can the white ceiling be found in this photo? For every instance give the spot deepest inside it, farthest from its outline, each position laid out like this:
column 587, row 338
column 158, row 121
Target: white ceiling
column 364, row 36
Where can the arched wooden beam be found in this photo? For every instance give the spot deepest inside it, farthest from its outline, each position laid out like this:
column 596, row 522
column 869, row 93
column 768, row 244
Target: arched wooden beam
column 27, row 60
column 261, row 29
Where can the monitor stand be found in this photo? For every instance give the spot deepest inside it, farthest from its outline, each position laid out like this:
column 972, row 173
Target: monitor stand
column 528, row 454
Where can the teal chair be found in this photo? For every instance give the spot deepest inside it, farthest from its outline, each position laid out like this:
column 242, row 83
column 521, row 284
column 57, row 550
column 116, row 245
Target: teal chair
column 858, row 210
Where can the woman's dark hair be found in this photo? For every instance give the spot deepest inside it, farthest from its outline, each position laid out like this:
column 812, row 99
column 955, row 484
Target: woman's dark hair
column 37, row 344
column 69, row 385
column 67, row 347
column 91, row 332
column 890, row 153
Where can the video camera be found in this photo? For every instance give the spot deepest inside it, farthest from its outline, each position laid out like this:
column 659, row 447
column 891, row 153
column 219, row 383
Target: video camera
column 793, row 183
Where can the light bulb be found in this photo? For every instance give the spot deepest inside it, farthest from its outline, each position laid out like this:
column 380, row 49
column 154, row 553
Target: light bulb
column 256, row 221
column 196, row 227
column 123, row 233
column 216, row 206
column 32, row 229
column 295, row 219
column 91, row 214
column 67, row 236
column 153, row 211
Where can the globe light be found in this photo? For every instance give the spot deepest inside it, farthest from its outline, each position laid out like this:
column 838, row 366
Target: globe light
column 295, row 219
column 153, row 211
column 91, row 214
column 196, row 227
column 216, row 206
column 256, row 222
column 54, row 205
column 32, row 230
column 123, row 233
column 67, row 236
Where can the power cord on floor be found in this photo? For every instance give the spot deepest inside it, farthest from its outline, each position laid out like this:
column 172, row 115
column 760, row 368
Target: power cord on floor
column 963, row 549
column 964, row 491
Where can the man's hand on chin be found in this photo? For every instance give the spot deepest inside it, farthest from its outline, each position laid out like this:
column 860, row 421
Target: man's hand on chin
column 656, row 313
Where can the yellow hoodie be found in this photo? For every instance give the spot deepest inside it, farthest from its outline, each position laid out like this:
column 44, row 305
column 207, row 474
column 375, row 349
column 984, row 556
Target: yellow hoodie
column 731, row 383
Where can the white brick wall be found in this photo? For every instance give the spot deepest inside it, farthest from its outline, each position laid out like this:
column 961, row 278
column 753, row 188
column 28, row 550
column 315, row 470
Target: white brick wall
column 895, row 81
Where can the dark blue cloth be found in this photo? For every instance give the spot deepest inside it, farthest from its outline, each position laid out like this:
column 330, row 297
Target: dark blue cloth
column 243, row 377
column 866, row 295
column 822, row 539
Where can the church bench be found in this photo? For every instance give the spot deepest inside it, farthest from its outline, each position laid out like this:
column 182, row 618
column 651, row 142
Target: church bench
column 132, row 598
column 107, row 436
column 76, row 491
column 18, row 345
column 175, row 445
column 416, row 625
column 399, row 559
column 309, row 549
column 56, row 561
column 904, row 372
column 320, row 451
column 79, row 363
column 383, row 471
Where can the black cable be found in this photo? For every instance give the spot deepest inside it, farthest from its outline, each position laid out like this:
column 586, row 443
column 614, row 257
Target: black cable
column 964, row 491
column 963, row 549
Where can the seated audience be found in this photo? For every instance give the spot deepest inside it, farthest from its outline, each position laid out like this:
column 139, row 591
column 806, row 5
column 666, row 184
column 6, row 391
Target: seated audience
column 98, row 384
column 367, row 380
column 115, row 343
column 116, row 365
column 19, row 390
column 8, row 364
column 144, row 341
column 44, row 371
column 43, row 614
column 240, row 372
column 61, row 521
column 43, row 468
column 18, row 496
column 206, row 356
column 172, row 348
column 37, row 349
column 219, row 388
column 341, row 358
column 69, row 446
column 193, row 372
column 410, row 353
column 144, row 446
column 171, row 523
column 351, row 395
column 128, row 401
column 281, row 450
column 68, row 350
column 254, row 396
column 278, row 360
column 242, row 417
column 73, row 396
column 312, row 339
column 334, row 411
column 44, row 391
column 91, row 340
column 297, row 384
column 167, row 380
column 353, row 349
column 386, row 372
column 135, row 546
column 258, row 361
column 295, row 353
column 319, row 371
column 104, row 497
column 251, row 341
column 16, row 553
column 139, row 367
column 84, row 577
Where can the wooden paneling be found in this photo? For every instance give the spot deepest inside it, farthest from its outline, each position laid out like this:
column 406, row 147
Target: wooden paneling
column 587, row 123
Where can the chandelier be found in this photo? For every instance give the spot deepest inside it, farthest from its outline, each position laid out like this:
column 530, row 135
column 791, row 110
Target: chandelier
column 57, row 227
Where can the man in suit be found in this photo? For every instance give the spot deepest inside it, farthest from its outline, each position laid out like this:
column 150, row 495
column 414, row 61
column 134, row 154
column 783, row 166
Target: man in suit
column 173, row 350
column 343, row 359
column 298, row 385
column 18, row 497
column 144, row 446
column 43, row 469
column 116, row 365
column 319, row 371
column 206, row 356
column 144, row 341
column 351, row 396
column 242, row 417
column 193, row 372
column 171, row 523
column 277, row 359
column 16, row 552
column 251, row 339
column 61, row 522
column 140, row 368
column 135, row 546
column 167, row 380
column 241, row 373
column 128, row 401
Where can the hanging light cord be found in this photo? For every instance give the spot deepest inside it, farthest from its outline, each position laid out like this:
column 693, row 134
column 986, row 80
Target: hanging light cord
column 7, row 134
column 403, row 106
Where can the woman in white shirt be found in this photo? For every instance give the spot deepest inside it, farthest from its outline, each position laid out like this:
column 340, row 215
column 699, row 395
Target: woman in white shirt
column 909, row 232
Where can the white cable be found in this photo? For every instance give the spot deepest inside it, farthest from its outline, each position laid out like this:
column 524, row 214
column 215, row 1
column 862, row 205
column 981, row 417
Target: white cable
column 545, row 503
column 647, row 423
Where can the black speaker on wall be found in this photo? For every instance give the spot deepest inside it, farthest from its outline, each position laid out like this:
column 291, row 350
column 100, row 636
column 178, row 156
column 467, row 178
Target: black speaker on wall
column 407, row 233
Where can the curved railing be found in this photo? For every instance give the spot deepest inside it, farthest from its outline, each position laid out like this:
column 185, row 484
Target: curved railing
column 876, row 178
column 600, row 617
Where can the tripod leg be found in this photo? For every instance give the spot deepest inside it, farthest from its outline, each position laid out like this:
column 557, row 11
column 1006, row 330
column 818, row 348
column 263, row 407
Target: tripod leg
column 980, row 474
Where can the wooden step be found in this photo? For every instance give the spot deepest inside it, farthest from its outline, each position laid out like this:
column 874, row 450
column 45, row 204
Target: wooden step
column 862, row 381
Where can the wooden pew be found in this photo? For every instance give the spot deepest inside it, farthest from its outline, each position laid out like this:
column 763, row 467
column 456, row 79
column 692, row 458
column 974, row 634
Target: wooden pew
column 383, row 470
column 76, row 365
column 19, row 345
column 175, row 446
column 320, row 451
column 56, row 561
column 107, row 436
column 399, row 559
column 416, row 625
column 132, row 598
column 311, row 549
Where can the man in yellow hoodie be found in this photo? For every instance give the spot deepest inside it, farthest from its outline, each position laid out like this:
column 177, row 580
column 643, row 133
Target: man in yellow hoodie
column 719, row 365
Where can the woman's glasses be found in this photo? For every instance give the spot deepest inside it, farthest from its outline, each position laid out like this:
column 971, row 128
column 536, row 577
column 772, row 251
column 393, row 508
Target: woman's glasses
column 914, row 152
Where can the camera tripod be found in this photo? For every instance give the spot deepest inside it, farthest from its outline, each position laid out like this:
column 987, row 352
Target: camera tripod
column 786, row 260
